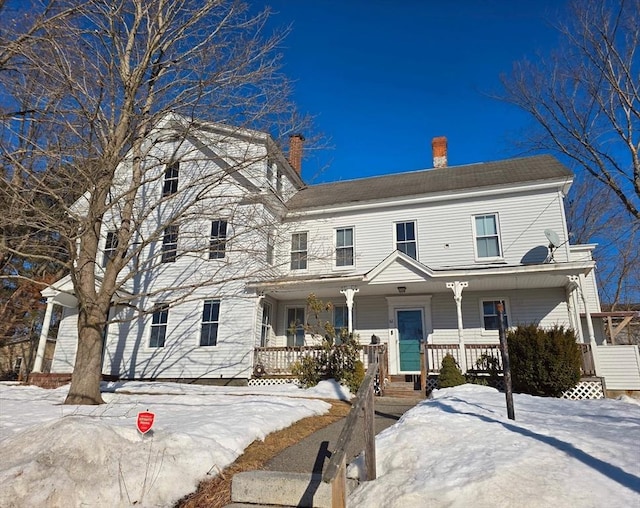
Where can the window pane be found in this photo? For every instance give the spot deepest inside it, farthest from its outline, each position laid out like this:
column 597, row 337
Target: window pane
column 170, row 185
column 490, row 314
column 410, row 231
column 157, row 336
column 170, row 244
column 210, row 321
column 217, row 243
column 110, row 246
column 159, row 325
column 295, row 326
column 400, row 232
column 299, row 251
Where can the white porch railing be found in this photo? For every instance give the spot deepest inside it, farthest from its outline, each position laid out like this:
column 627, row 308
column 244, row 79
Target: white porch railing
column 475, row 354
column 278, row 361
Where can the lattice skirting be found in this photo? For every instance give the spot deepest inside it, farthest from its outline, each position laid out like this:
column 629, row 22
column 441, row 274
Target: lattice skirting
column 591, row 388
column 432, row 384
column 273, row 381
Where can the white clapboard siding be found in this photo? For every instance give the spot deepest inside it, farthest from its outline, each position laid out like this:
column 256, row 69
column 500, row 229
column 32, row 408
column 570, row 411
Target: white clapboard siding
column 128, row 353
column 620, row 366
column 64, row 357
column 444, row 230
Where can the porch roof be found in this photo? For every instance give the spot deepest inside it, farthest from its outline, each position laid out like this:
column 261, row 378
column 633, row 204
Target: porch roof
column 62, row 292
column 400, row 270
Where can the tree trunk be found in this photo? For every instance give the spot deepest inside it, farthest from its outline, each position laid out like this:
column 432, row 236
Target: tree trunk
column 87, row 372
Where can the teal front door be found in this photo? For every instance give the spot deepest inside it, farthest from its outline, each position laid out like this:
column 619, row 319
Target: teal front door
column 409, row 336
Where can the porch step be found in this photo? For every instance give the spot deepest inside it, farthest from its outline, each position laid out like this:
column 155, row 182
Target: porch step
column 403, row 389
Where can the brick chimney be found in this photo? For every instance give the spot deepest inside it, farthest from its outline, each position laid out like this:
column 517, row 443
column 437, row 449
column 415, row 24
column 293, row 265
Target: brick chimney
column 439, row 147
column 295, row 152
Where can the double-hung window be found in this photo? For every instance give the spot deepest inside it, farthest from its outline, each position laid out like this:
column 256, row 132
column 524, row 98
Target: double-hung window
column 487, row 236
column 295, row 326
column 170, row 244
column 406, row 238
column 299, row 251
column 170, row 185
column 344, row 247
column 110, row 246
column 210, row 321
column 490, row 314
column 159, row 325
column 218, row 242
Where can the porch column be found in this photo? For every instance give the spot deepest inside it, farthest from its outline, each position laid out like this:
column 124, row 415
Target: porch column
column 349, row 293
column 457, row 287
column 574, row 307
column 592, row 337
column 44, row 333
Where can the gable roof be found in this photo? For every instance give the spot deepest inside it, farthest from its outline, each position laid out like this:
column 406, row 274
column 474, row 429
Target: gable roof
column 431, row 181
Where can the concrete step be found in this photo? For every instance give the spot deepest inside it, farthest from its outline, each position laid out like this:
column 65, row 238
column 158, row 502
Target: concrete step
column 276, row 488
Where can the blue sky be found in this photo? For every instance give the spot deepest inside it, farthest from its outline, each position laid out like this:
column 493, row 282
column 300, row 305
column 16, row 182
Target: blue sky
column 384, row 77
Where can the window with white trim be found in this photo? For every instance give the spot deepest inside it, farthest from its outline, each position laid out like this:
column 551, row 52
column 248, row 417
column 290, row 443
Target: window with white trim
column 344, row 247
column 266, row 324
column 271, row 247
column 110, row 246
column 295, row 326
column 218, row 241
column 299, row 251
column 490, row 314
column 487, row 236
column 159, row 325
column 170, row 185
column 210, row 322
column 170, row 244
column 17, row 364
column 406, row 238
column 340, row 321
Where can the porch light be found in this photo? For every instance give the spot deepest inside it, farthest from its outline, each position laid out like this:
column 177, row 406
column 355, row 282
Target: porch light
column 402, row 289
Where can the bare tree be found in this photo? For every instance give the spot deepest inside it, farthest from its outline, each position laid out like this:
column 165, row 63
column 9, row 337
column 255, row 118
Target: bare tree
column 585, row 98
column 116, row 91
column 594, row 215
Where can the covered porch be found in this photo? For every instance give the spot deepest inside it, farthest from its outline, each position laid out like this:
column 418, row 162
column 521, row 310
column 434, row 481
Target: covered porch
column 403, row 304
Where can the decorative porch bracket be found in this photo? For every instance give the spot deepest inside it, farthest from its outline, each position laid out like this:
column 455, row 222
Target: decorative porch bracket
column 349, row 293
column 457, row 287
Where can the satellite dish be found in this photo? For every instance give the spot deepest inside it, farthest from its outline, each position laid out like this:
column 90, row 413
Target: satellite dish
column 554, row 243
column 554, row 239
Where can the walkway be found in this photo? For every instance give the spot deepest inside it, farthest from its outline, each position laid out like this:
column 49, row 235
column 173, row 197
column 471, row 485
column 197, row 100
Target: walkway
column 312, row 453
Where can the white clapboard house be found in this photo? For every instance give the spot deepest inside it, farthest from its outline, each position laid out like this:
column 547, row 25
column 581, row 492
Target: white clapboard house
column 220, row 295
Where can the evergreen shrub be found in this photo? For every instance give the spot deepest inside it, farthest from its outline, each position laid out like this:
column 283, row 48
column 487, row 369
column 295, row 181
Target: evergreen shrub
column 450, row 375
column 543, row 362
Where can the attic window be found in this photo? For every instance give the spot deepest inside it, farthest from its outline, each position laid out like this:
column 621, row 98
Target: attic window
column 171, row 179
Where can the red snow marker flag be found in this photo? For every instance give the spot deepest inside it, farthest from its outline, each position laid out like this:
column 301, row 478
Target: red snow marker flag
column 145, row 421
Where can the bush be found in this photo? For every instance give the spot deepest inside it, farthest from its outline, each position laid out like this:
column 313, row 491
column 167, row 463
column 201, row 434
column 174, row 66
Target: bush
column 308, row 371
column 353, row 378
column 450, row 374
column 486, row 373
column 341, row 362
column 543, row 362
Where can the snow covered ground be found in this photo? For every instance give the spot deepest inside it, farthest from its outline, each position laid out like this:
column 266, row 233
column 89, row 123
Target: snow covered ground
column 460, row 450
column 456, row 450
column 53, row 455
